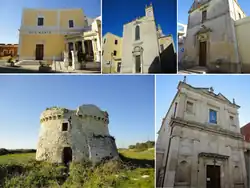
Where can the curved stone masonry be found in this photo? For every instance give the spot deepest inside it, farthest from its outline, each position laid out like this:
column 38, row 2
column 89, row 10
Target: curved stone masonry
column 67, row 133
column 59, row 114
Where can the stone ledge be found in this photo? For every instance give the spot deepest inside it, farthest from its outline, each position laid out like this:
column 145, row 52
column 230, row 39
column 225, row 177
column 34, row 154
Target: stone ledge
column 200, row 126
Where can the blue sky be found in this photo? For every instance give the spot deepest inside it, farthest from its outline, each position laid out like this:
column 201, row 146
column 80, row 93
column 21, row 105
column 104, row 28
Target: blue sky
column 129, row 101
column 11, row 13
column 116, row 13
column 184, row 6
column 231, row 86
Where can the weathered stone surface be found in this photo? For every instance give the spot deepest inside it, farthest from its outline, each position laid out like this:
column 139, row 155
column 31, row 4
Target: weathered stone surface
column 85, row 133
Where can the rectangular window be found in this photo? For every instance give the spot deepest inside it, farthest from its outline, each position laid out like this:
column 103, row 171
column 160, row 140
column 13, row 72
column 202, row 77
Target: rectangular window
column 162, row 47
column 102, row 52
column 114, row 52
column 212, row 116
column 204, row 15
column 104, row 41
column 71, row 23
column 65, row 126
column 239, row 16
column 40, row 21
column 232, row 121
column 189, row 107
column 116, row 41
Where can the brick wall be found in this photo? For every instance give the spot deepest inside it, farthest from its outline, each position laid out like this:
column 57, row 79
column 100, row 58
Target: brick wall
column 245, row 131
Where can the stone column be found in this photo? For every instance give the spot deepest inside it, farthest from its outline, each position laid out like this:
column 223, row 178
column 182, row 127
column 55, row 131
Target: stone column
column 75, row 63
column 195, row 165
column 172, row 162
column 243, row 167
column 83, row 47
column 141, row 61
column 133, row 65
column 230, row 177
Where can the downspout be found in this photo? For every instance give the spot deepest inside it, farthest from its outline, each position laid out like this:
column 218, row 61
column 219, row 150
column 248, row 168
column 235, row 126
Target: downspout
column 169, row 143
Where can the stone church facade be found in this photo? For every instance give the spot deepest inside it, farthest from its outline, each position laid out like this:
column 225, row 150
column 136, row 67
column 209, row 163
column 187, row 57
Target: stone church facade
column 75, row 135
column 199, row 143
column 214, row 36
column 143, row 48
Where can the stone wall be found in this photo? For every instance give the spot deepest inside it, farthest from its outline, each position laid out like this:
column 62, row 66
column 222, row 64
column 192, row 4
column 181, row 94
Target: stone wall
column 102, row 147
column 62, row 128
column 222, row 49
column 148, row 41
column 242, row 31
column 191, row 150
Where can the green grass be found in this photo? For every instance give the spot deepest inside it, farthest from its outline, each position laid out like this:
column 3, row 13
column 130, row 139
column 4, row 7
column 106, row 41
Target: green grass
column 16, row 158
column 147, row 154
column 134, row 170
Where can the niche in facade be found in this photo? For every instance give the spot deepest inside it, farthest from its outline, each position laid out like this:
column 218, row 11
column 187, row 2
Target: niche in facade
column 183, row 172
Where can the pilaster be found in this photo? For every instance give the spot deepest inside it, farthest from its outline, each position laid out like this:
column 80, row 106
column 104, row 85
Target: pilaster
column 169, row 179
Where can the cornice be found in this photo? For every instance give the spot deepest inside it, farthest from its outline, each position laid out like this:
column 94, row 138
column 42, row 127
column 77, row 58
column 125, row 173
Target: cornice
column 203, row 127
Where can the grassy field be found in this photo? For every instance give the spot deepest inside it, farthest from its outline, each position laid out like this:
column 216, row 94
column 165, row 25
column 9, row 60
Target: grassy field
column 134, row 170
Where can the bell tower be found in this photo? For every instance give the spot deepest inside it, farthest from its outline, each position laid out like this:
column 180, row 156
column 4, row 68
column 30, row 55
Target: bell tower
column 149, row 11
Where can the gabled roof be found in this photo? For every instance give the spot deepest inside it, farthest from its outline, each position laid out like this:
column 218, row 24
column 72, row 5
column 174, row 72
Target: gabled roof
column 207, row 91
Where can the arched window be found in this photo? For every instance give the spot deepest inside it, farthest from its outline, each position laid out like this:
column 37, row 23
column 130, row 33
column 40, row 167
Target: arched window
column 137, row 32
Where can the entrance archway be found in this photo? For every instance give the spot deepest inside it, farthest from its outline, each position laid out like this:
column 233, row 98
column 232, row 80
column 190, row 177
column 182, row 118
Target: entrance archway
column 67, row 155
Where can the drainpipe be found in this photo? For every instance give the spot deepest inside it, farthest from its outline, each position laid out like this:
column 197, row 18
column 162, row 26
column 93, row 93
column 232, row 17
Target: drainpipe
column 169, row 143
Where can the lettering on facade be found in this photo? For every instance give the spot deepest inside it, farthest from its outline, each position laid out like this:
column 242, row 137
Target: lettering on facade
column 39, row 32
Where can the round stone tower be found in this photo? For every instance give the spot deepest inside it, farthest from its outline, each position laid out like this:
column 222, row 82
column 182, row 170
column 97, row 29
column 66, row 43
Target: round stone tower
column 75, row 135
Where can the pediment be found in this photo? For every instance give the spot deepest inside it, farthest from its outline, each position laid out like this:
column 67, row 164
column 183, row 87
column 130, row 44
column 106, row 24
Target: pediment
column 203, row 30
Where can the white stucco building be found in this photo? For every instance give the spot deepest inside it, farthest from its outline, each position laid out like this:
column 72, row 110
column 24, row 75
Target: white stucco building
column 213, row 38
column 75, row 135
column 143, row 43
column 199, row 143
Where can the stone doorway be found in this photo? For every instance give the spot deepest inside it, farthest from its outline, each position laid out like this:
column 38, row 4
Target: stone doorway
column 203, row 54
column 213, row 176
column 67, row 155
column 138, row 64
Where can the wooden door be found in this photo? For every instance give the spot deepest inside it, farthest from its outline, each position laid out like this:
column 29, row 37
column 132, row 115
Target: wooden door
column 213, row 176
column 203, row 54
column 39, row 51
column 138, row 64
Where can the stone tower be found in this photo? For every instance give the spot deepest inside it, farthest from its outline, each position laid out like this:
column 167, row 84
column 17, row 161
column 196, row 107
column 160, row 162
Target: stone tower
column 149, row 11
column 75, row 135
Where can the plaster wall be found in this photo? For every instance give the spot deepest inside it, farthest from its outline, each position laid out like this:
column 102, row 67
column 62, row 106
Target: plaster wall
column 222, row 46
column 148, row 41
column 242, row 32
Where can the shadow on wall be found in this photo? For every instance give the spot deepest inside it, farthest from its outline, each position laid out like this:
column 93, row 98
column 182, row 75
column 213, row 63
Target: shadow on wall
column 168, row 62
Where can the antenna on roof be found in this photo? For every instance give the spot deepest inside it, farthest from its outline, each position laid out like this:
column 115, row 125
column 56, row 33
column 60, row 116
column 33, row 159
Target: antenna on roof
column 185, row 79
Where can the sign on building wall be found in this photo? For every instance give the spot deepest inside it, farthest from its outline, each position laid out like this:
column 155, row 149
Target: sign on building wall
column 39, row 32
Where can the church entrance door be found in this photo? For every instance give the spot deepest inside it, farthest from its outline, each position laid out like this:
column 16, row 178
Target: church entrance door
column 203, row 54
column 213, row 176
